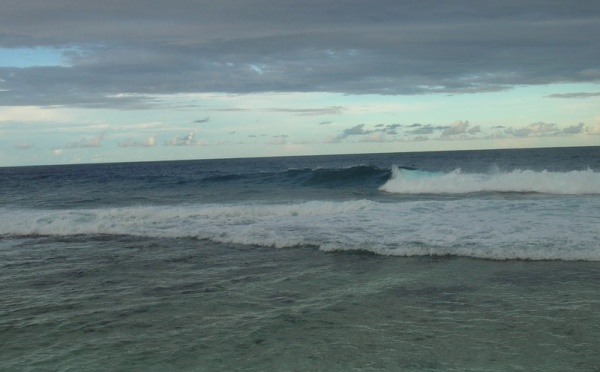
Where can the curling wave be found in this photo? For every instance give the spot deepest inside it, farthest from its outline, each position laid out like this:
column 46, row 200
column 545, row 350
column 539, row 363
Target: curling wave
column 319, row 177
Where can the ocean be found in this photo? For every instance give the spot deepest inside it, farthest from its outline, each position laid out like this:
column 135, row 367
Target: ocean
column 434, row 261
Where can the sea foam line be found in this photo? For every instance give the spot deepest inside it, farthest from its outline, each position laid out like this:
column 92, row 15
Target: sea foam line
column 544, row 228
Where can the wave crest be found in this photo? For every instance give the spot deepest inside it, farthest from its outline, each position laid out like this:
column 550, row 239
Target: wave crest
column 405, row 181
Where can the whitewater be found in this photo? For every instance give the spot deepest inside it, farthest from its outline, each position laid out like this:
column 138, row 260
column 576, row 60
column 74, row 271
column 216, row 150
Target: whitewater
column 480, row 260
column 575, row 182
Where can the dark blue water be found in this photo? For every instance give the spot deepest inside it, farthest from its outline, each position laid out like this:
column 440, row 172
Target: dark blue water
column 474, row 260
column 124, row 184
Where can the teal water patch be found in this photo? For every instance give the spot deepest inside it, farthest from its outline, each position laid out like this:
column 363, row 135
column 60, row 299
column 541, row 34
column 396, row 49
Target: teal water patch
column 116, row 303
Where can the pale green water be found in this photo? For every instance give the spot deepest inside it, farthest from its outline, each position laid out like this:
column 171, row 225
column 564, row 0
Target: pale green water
column 127, row 304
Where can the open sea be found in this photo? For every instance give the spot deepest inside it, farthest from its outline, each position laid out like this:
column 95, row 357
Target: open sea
column 438, row 261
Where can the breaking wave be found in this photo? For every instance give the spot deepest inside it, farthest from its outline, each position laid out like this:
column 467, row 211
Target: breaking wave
column 489, row 228
column 405, row 181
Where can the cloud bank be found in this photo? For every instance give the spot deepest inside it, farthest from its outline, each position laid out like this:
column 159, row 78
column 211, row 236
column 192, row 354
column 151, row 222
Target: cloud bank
column 121, row 54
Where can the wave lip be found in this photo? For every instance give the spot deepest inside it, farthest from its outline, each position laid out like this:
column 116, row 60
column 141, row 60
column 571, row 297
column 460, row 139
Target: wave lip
column 404, row 181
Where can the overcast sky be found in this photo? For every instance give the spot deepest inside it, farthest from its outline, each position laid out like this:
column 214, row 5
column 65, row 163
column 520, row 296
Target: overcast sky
column 134, row 80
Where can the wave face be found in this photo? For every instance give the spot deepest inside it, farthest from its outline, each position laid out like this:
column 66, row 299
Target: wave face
column 532, row 229
column 360, row 175
column 404, row 181
column 125, row 184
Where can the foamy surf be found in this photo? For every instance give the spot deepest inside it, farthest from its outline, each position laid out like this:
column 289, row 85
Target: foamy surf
column 536, row 229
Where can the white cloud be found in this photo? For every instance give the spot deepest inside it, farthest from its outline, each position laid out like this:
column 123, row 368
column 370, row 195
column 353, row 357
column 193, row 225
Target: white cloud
column 31, row 114
column 23, row 146
column 543, row 129
column 186, row 140
column 149, row 142
column 278, row 140
column 95, row 141
column 458, row 127
column 374, row 137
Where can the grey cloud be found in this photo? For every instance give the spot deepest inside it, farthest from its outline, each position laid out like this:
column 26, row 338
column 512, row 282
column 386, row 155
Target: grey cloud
column 371, row 135
column 391, row 129
column 229, row 109
column 574, row 95
column 475, row 129
column 425, row 129
column 332, row 110
column 355, row 130
column 574, row 129
column 245, row 46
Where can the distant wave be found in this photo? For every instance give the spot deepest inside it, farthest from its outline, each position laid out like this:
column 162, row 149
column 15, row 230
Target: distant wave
column 405, row 181
column 489, row 228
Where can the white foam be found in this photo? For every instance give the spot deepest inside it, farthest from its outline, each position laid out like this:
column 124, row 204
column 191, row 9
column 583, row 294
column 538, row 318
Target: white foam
column 551, row 227
column 560, row 183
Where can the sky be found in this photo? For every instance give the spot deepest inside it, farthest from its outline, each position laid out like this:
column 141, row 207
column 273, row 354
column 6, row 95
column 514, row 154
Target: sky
column 85, row 81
